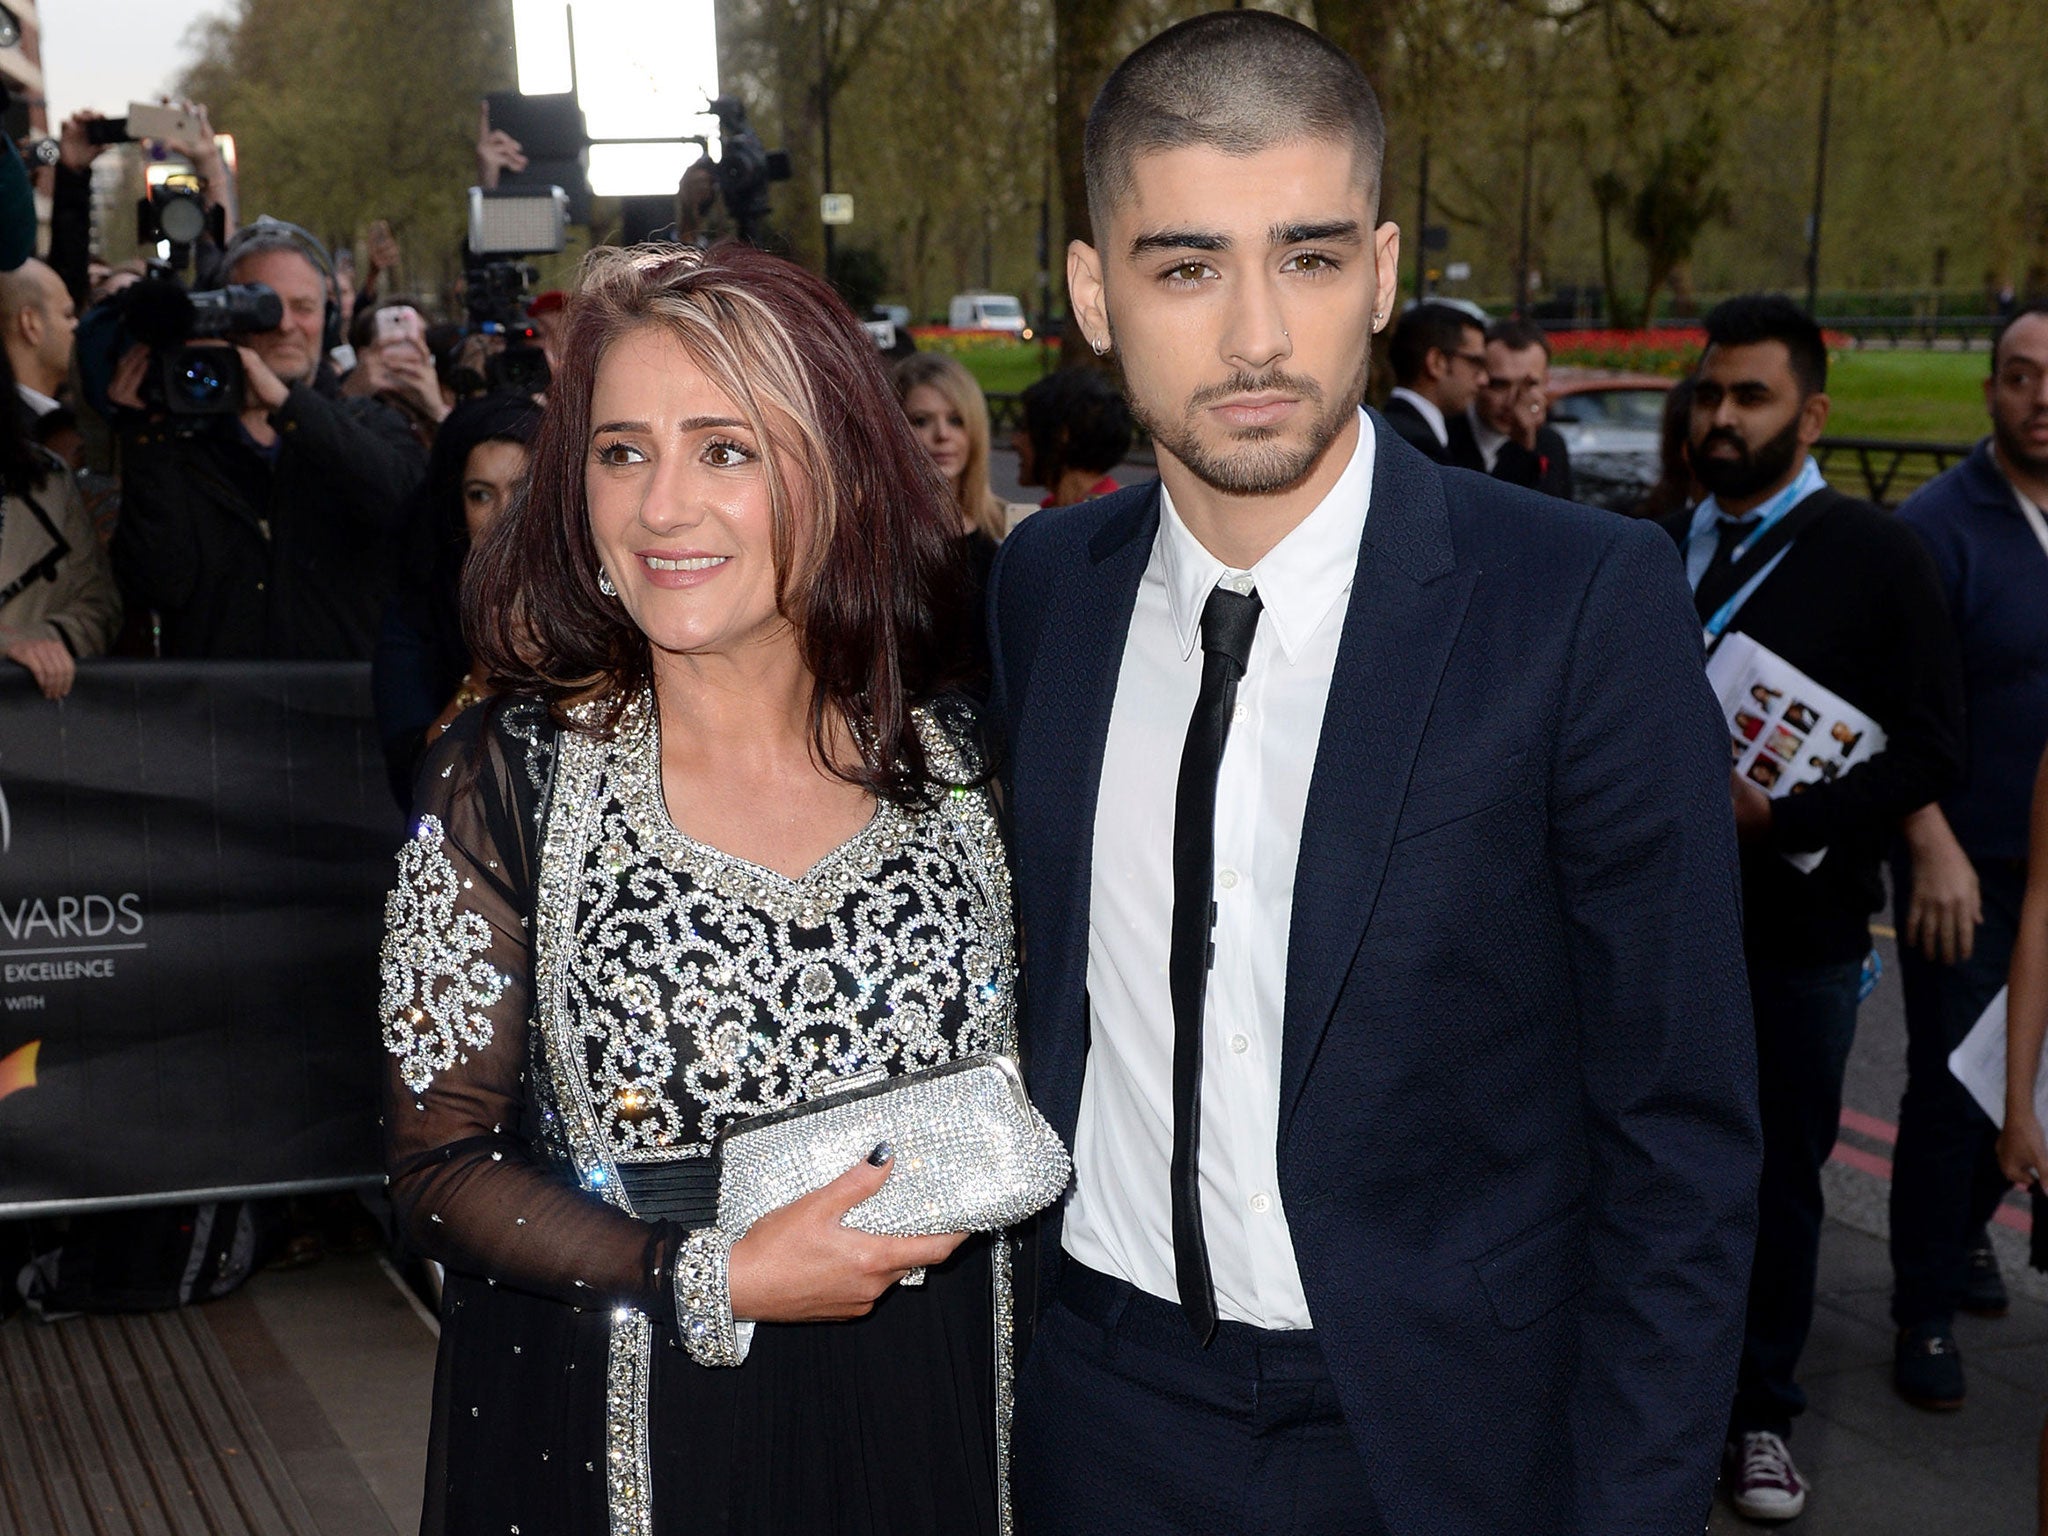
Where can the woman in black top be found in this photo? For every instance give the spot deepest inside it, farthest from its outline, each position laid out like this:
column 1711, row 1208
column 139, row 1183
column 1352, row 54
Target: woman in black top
column 719, row 840
column 420, row 674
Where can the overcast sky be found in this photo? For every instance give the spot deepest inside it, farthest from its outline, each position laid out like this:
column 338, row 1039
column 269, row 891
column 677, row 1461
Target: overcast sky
column 107, row 53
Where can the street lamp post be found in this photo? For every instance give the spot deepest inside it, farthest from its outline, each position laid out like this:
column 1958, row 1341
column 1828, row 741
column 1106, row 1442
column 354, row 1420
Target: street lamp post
column 1422, row 227
column 1820, row 164
column 825, row 126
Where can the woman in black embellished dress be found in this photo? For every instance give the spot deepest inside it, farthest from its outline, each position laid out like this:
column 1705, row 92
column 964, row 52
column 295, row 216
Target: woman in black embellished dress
column 720, row 840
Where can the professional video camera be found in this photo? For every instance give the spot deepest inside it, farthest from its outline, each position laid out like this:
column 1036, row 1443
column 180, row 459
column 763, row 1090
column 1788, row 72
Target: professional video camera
column 745, row 169
column 505, row 225
column 184, row 379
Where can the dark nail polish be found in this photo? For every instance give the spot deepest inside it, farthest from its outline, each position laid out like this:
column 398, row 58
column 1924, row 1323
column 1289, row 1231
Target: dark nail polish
column 882, row 1153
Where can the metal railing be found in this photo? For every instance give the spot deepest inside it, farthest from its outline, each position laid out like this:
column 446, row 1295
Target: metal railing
column 1880, row 469
column 1925, row 330
column 1886, row 470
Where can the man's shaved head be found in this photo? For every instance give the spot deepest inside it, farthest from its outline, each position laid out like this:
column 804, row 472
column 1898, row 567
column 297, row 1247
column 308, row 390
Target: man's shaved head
column 37, row 321
column 1237, row 82
column 32, row 285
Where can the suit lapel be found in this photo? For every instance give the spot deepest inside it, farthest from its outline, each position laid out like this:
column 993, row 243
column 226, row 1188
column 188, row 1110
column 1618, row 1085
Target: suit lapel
column 1061, row 737
column 1407, row 602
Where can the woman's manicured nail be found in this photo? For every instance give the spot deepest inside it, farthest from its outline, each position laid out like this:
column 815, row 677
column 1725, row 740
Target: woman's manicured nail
column 882, row 1153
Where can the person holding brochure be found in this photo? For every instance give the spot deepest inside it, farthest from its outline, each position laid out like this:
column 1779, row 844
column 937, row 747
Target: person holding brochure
column 2022, row 1145
column 1846, row 600
column 1426, row 1206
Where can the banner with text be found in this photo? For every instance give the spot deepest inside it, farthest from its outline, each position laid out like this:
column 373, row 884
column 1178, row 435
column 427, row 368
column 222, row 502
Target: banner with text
column 193, row 860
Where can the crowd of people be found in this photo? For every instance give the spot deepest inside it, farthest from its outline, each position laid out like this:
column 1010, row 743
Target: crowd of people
column 749, row 589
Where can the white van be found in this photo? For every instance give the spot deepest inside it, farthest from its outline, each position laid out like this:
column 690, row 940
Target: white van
column 988, row 312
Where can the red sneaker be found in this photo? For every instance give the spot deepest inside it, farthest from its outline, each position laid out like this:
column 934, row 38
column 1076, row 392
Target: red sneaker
column 1762, row 1482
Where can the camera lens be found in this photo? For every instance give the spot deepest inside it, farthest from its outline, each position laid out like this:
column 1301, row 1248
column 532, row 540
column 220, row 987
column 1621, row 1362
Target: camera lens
column 200, row 380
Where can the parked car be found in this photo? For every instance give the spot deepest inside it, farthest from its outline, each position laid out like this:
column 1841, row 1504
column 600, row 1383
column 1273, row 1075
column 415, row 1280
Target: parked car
column 1612, row 424
column 977, row 311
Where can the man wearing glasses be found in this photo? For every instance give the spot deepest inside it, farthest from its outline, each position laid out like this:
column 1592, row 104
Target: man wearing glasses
column 1511, row 435
column 1438, row 355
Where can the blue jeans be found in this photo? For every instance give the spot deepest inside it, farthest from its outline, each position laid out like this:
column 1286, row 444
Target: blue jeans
column 1945, row 1178
column 1805, row 1024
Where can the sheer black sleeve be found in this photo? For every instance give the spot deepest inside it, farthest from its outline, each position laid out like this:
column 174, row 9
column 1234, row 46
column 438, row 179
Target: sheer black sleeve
column 469, row 1189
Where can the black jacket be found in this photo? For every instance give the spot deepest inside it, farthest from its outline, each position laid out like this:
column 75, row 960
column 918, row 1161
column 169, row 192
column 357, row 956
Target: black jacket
column 1407, row 421
column 1855, row 605
column 245, row 558
column 1551, row 1238
column 1546, row 468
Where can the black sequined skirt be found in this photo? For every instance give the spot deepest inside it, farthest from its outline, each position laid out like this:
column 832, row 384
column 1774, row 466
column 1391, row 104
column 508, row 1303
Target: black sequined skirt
column 880, row 1427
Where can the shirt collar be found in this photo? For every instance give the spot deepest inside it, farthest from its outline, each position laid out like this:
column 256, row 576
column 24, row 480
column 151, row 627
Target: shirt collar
column 38, row 402
column 1300, row 579
column 1490, row 442
column 1428, row 410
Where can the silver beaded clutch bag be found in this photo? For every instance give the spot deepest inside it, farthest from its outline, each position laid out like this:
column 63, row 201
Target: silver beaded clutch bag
column 972, row 1153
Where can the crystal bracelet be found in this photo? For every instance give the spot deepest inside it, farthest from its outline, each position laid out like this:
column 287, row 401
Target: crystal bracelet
column 704, row 1301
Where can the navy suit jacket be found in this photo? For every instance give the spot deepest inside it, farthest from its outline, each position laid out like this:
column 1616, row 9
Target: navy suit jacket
column 1518, row 1126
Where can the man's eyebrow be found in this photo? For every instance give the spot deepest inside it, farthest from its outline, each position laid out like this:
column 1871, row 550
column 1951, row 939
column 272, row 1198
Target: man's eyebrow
column 1179, row 240
column 1325, row 231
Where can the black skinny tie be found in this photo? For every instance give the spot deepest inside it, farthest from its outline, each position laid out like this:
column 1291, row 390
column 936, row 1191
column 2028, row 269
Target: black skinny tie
column 1715, row 587
column 1228, row 622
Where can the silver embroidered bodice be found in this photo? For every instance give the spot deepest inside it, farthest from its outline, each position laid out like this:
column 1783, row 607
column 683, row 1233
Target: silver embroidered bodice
column 704, row 989
column 571, row 984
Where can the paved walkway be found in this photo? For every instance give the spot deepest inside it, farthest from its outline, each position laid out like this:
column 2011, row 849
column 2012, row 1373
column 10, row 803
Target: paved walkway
column 332, row 1371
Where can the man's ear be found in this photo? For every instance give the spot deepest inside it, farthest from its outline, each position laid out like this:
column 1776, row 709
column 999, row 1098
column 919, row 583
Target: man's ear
column 28, row 324
column 1813, row 419
column 1085, row 293
column 1386, row 253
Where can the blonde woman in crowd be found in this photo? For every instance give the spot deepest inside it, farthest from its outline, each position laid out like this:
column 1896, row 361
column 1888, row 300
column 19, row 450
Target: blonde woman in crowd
column 950, row 417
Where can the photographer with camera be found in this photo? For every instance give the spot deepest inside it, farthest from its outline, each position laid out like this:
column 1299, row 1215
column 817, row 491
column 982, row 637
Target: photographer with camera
column 87, row 135
column 272, row 531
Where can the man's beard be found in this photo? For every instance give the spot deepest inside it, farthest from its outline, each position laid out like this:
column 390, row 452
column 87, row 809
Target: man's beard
column 1265, row 466
column 2012, row 447
column 1754, row 471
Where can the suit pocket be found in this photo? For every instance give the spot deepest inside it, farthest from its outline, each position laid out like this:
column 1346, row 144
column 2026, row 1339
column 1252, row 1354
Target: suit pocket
column 1440, row 801
column 1532, row 1275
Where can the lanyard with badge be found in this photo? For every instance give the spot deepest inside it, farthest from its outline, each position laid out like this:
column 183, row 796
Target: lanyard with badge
column 1796, row 506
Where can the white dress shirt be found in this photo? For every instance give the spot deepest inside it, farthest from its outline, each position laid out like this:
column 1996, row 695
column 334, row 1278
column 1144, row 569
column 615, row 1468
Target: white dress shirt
column 1490, row 442
column 1428, row 410
column 1120, row 1220
column 38, row 403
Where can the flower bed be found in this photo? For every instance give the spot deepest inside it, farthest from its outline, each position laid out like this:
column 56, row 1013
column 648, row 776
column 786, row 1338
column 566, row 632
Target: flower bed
column 943, row 338
column 1670, row 351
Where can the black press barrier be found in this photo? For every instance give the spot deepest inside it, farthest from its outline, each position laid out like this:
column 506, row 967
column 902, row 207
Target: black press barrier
column 193, row 860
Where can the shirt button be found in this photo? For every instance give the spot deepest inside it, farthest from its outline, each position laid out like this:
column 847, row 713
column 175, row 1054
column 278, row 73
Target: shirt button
column 1238, row 584
column 1240, row 1044
column 1261, row 1203
column 1239, row 713
column 1227, row 879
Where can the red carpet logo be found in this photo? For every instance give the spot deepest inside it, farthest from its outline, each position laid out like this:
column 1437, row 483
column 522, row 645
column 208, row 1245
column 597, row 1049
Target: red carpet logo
column 18, row 1071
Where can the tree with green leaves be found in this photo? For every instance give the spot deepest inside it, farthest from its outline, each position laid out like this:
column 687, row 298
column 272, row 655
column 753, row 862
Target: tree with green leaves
column 345, row 111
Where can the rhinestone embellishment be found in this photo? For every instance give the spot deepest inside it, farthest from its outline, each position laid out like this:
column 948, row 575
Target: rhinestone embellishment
column 437, row 992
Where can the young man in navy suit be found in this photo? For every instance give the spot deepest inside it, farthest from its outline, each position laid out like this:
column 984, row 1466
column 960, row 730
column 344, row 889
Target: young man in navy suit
column 1378, row 892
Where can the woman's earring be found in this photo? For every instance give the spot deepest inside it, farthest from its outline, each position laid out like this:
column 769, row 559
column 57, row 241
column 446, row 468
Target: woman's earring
column 604, row 583
column 1100, row 347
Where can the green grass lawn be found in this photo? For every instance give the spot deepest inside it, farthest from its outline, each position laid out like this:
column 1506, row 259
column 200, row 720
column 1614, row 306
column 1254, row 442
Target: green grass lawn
column 1922, row 396
column 1005, row 370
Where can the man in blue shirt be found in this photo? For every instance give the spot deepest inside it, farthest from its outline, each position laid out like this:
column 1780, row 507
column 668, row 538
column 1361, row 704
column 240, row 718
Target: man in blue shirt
column 1958, row 875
